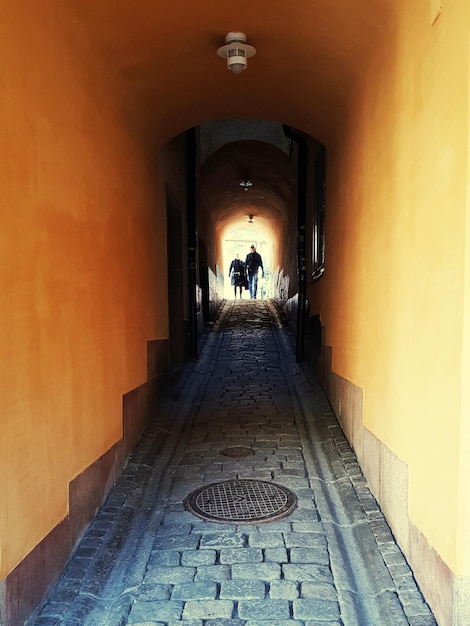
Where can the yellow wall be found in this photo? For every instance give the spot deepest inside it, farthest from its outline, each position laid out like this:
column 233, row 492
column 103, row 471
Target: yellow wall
column 80, row 222
column 397, row 252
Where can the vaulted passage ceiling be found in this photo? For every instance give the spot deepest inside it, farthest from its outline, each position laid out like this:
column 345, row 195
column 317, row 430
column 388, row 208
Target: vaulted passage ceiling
column 309, row 56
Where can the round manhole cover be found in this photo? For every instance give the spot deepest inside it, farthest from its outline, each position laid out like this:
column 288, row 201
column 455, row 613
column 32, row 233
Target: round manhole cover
column 237, row 452
column 241, row 501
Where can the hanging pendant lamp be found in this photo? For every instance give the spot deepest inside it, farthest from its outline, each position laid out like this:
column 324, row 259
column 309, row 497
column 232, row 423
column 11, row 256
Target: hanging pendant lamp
column 236, row 51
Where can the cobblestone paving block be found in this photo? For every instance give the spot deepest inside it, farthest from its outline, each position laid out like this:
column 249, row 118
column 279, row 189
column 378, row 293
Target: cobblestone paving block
column 90, row 541
column 112, row 611
column 202, row 591
column 304, row 514
column 321, row 591
column 187, row 473
column 272, row 527
column 257, row 571
column 309, row 623
column 264, row 609
column 218, row 541
column 170, row 575
column 80, row 608
column 242, row 590
column 241, row 555
column 308, row 505
column 194, row 558
column 217, row 573
column 412, row 598
column 392, row 554
column 77, row 568
column 204, row 527
column 154, row 591
column 270, row 464
column 275, row 555
column 291, row 459
column 406, row 583
column 382, row 532
column 63, row 595
column 235, row 472
column 294, row 483
column 264, row 475
column 321, row 610
column 416, row 608
column 312, row 526
column 283, row 589
column 342, row 502
column 275, row 622
column 398, row 570
column 208, row 609
column 319, row 554
column 162, row 611
column 87, row 551
column 305, row 540
column 305, row 572
column 280, row 473
column 177, row 543
column 214, row 475
column 224, row 622
column 266, row 540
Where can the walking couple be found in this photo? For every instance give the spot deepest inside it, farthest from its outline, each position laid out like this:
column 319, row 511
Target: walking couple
column 245, row 274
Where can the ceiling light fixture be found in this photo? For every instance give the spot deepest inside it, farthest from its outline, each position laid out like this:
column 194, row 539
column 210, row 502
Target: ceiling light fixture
column 245, row 184
column 250, row 219
column 236, row 51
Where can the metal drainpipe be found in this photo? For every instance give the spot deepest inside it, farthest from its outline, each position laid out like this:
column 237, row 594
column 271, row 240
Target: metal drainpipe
column 192, row 238
column 298, row 138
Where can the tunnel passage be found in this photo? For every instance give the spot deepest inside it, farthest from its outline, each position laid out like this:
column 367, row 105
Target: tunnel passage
column 225, row 205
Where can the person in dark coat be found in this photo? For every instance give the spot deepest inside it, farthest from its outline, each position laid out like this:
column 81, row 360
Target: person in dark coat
column 253, row 263
column 237, row 275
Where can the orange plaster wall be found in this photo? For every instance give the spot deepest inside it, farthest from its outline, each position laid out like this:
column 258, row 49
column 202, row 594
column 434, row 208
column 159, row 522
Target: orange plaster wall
column 394, row 286
column 80, row 225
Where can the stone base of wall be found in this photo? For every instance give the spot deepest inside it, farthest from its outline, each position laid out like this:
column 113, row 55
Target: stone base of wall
column 24, row 588
column 387, row 476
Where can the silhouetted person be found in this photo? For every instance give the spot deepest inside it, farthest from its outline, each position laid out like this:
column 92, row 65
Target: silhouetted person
column 237, row 273
column 253, row 263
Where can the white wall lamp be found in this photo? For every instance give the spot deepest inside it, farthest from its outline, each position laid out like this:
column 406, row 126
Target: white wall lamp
column 236, row 51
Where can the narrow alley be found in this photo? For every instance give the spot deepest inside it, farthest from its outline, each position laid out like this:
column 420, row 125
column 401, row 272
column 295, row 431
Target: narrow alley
column 242, row 505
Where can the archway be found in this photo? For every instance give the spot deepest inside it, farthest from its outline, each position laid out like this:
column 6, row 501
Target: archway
column 247, row 194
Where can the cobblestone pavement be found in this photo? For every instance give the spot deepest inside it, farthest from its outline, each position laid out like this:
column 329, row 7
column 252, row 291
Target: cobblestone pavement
column 147, row 560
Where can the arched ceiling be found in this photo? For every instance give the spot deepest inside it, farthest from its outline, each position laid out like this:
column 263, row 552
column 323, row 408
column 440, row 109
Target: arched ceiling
column 265, row 166
column 309, row 53
column 223, row 201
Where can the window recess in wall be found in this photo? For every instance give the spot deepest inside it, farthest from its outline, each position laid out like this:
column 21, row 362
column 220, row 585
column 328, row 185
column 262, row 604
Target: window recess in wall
column 318, row 247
